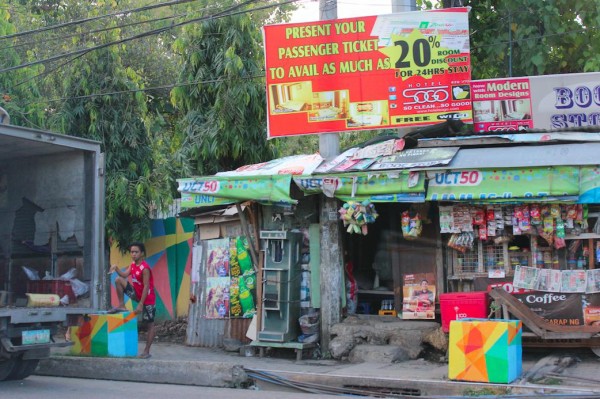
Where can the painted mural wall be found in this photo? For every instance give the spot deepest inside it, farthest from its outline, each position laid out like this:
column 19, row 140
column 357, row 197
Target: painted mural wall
column 169, row 254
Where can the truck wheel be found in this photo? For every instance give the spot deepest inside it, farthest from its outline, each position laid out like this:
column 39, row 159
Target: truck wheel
column 23, row 369
column 596, row 351
column 6, row 367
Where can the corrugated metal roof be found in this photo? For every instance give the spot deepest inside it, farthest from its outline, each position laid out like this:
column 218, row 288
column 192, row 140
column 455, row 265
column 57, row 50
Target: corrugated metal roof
column 525, row 156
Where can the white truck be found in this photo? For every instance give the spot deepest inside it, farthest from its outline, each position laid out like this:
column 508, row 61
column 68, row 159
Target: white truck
column 52, row 224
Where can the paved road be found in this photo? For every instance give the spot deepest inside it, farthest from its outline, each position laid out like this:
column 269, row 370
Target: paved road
column 36, row 387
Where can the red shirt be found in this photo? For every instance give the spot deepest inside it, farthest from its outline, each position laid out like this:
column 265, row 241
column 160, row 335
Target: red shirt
column 137, row 281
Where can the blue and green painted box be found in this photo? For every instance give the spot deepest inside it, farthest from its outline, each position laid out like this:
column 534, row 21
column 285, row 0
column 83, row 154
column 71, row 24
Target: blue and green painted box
column 482, row 350
column 103, row 334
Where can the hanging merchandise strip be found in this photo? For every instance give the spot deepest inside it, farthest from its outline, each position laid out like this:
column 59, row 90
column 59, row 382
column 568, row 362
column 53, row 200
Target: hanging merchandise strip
column 548, row 221
column 356, row 216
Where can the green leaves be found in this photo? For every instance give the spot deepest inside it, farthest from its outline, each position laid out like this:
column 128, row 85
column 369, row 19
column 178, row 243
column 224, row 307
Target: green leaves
column 224, row 121
column 544, row 38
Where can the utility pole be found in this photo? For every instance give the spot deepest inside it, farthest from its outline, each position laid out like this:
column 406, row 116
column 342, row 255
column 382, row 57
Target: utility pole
column 404, row 5
column 331, row 271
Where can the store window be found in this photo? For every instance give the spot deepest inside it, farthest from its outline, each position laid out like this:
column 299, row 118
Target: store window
column 493, row 241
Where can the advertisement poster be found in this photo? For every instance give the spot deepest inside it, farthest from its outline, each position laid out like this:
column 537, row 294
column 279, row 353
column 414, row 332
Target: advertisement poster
column 418, row 296
column 243, row 281
column 540, row 102
column 397, row 70
column 556, row 308
column 593, row 281
column 217, row 297
column 230, row 279
column 217, row 258
column 591, row 309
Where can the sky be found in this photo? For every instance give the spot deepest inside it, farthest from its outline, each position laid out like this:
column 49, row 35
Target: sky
column 309, row 9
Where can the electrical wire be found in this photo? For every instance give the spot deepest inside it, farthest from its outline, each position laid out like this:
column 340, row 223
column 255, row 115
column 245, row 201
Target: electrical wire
column 91, row 32
column 84, row 20
column 169, row 86
column 226, row 13
column 82, row 52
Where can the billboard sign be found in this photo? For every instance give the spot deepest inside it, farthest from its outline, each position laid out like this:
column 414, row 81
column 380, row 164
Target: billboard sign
column 540, row 102
column 396, row 70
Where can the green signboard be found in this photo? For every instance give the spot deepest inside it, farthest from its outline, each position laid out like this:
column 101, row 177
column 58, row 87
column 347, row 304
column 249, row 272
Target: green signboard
column 364, row 184
column 590, row 185
column 216, row 190
column 498, row 184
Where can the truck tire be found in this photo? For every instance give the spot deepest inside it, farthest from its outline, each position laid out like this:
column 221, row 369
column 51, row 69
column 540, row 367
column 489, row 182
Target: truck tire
column 6, row 367
column 23, row 369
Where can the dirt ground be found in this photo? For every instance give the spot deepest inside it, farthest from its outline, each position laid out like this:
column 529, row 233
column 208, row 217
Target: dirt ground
column 167, row 331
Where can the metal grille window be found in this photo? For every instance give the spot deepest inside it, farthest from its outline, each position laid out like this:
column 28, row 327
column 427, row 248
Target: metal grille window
column 467, row 262
column 493, row 257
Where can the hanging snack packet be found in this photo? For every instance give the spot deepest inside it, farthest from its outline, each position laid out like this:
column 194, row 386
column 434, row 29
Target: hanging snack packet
column 405, row 223
column 518, row 212
column 416, row 226
column 483, row 233
column 559, row 243
column 479, row 217
column 490, row 213
column 560, row 228
column 548, row 224
column 535, row 214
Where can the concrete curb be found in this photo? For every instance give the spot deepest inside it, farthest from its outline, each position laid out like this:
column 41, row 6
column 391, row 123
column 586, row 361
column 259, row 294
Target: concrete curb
column 420, row 387
column 230, row 375
column 208, row 374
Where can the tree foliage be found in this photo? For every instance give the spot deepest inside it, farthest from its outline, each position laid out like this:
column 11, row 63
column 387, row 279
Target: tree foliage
column 532, row 37
column 222, row 94
column 18, row 90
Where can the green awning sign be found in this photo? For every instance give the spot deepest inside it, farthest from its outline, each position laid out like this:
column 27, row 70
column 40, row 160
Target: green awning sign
column 488, row 184
column 364, row 184
column 216, row 190
column 193, row 200
column 590, row 185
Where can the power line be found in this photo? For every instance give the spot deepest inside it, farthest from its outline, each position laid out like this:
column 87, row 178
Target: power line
column 84, row 20
column 225, row 13
column 169, row 86
column 38, row 42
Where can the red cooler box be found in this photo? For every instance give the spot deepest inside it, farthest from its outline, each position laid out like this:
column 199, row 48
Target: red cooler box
column 462, row 305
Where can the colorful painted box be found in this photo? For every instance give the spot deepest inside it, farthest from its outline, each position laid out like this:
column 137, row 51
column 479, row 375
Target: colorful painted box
column 105, row 334
column 482, row 350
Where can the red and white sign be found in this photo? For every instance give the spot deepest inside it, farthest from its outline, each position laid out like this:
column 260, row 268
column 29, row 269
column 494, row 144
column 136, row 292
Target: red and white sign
column 405, row 69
